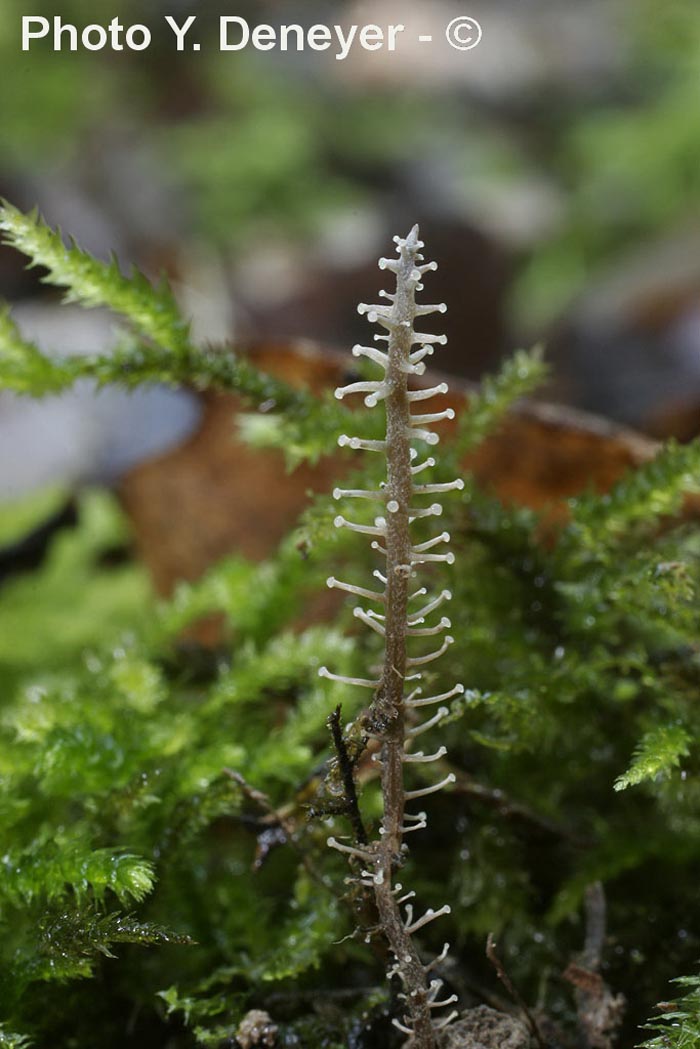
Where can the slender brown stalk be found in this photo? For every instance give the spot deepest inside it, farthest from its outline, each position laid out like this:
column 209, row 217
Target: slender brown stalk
column 397, row 624
column 347, row 775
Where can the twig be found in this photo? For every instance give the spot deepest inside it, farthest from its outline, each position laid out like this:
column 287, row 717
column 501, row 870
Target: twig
column 312, row 994
column 595, row 907
column 346, row 766
column 280, row 820
column 513, row 991
column 599, row 1011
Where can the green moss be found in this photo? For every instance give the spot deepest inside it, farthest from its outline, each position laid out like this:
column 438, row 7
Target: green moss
column 50, row 617
column 122, row 826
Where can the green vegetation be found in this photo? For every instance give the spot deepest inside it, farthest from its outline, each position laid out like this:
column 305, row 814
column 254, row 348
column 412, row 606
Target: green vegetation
column 628, row 171
column 164, row 811
column 679, row 1024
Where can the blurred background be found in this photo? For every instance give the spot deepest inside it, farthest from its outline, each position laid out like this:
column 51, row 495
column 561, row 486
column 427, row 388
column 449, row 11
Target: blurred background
column 555, row 171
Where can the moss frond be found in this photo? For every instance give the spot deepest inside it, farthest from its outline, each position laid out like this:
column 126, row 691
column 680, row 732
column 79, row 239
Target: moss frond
column 678, row 1026
column 636, row 503
column 151, row 310
column 8, row 1040
column 519, row 376
column 658, row 754
column 48, row 871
